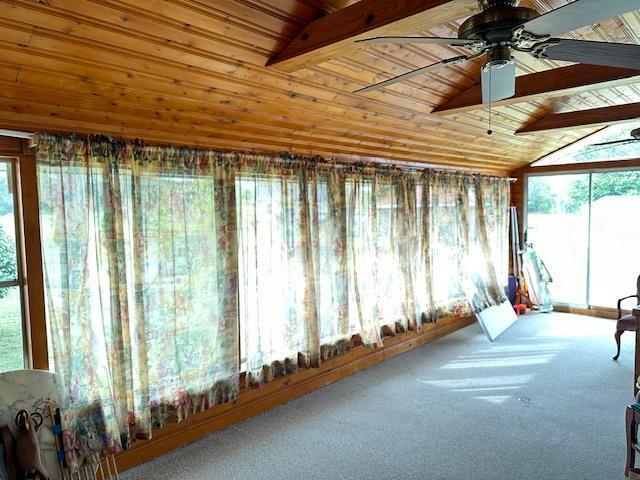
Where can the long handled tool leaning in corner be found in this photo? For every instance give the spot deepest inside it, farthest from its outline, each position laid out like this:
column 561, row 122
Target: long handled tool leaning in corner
column 104, row 468
column 522, row 295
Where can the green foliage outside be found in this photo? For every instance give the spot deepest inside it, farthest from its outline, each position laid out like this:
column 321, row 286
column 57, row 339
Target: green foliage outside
column 603, row 185
column 7, row 260
column 11, row 352
column 6, row 201
column 540, row 197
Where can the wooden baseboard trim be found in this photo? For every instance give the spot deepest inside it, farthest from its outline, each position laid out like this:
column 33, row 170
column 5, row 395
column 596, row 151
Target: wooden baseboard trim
column 611, row 314
column 280, row 391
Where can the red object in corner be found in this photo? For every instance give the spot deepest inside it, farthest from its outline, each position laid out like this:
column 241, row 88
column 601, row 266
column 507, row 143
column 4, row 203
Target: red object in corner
column 520, row 308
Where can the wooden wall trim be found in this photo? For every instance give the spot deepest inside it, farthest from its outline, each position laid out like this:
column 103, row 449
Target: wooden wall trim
column 30, row 250
column 600, row 312
column 583, row 167
column 33, row 286
column 10, row 146
column 280, row 391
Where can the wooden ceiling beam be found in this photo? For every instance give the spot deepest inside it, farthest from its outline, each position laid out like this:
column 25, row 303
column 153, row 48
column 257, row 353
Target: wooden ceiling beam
column 550, row 83
column 593, row 117
column 335, row 34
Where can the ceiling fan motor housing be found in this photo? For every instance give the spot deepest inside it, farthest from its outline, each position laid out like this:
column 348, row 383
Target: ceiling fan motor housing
column 496, row 23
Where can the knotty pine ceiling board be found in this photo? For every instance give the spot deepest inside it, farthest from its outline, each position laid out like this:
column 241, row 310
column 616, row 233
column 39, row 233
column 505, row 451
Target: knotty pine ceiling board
column 192, row 72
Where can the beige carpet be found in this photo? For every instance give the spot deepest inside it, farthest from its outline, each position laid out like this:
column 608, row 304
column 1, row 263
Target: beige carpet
column 545, row 401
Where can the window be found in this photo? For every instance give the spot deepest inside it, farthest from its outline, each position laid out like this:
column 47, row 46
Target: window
column 558, row 228
column 614, row 259
column 584, row 228
column 12, row 339
column 616, row 142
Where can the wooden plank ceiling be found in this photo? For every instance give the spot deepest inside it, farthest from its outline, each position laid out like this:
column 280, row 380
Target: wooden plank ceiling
column 193, row 72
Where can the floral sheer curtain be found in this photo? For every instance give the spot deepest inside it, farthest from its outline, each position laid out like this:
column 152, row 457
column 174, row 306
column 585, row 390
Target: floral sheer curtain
column 384, row 240
column 327, row 252
column 168, row 271
column 468, row 233
column 278, row 289
column 141, row 284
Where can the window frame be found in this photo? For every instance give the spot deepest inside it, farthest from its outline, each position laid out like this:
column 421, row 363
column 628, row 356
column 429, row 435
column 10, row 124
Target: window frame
column 575, row 169
column 12, row 170
column 28, row 250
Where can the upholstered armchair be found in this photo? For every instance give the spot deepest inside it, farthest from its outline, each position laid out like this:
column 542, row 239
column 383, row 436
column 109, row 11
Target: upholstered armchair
column 626, row 322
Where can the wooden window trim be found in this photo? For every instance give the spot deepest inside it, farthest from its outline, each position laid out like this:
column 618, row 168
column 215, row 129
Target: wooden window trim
column 584, row 167
column 29, row 247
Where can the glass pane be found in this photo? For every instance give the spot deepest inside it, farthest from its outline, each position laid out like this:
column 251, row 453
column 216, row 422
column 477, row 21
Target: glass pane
column 616, row 142
column 11, row 350
column 8, row 270
column 615, row 256
column 558, row 228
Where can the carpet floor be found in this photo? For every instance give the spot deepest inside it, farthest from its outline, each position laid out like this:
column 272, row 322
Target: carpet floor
column 545, row 401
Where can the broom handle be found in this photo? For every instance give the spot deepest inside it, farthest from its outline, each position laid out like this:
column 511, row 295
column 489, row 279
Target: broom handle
column 59, row 448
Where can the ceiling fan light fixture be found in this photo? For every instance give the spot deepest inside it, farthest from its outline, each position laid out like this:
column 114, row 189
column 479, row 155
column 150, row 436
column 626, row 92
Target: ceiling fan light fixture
column 498, row 57
column 498, row 75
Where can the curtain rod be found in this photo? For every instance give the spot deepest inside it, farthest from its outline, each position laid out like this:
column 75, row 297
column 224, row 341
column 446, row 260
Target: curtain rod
column 413, row 166
column 408, row 166
column 400, row 165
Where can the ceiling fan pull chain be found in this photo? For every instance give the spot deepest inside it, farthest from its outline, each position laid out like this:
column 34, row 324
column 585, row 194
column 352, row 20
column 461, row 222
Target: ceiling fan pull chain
column 489, row 131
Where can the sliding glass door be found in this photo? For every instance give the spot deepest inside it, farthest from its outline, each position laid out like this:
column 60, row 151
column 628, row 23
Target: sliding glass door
column 585, row 228
column 615, row 236
column 558, row 228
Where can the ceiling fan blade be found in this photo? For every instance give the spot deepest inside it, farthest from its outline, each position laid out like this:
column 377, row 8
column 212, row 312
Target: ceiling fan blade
column 498, row 82
column 415, row 73
column 622, row 55
column 615, row 142
column 457, row 42
column 594, row 148
column 577, row 14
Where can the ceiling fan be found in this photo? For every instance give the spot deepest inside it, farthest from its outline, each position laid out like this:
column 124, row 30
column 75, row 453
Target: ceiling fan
column 634, row 137
column 502, row 26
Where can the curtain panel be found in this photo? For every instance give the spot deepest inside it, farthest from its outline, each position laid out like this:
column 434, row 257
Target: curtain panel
column 168, row 271
column 139, row 254
column 468, row 228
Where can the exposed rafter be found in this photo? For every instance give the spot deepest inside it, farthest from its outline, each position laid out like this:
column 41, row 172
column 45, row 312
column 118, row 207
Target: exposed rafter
column 335, row 34
column 550, row 83
column 583, row 118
